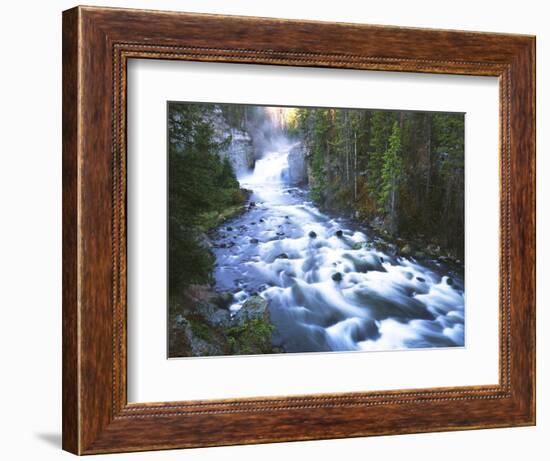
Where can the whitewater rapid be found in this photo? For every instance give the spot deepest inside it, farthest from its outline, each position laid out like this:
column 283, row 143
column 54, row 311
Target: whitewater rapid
column 329, row 288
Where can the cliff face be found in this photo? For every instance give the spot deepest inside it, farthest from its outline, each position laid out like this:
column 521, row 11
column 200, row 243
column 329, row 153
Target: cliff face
column 240, row 151
column 297, row 166
column 239, row 147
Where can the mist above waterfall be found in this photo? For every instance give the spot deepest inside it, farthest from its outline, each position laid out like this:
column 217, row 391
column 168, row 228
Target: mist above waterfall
column 267, row 127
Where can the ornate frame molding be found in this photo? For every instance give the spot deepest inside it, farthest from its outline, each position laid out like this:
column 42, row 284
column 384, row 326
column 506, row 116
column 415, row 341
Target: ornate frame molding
column 97, row 43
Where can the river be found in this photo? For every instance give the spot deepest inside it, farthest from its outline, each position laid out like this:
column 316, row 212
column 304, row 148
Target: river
column 329, row 288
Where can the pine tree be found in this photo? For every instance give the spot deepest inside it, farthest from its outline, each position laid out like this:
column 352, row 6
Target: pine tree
column 382, row 122
column 392, row 168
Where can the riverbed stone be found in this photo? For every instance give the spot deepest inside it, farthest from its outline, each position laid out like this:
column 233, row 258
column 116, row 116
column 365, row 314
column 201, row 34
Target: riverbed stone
column 223, row 299
column 406, row 250
column 213, row 314
column 433, row 249
column 370, row 262
column 253, row 308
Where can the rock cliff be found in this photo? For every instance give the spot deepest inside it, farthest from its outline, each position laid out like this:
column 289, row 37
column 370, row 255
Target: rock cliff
column 238, row 143
column 297, row 166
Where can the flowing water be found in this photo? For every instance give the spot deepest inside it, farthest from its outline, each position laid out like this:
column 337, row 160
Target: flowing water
column 329, row 288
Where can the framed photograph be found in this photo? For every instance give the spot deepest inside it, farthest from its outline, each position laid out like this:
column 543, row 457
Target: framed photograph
column 282, row 230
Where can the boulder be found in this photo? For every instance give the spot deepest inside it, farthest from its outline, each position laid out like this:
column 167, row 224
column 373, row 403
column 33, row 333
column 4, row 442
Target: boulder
column 370, row 262
column 406, row 250
column 433, row 250
column 205, row 242
column 223, row 300
column 253, row 308
column 196, row 339
column 212, row 313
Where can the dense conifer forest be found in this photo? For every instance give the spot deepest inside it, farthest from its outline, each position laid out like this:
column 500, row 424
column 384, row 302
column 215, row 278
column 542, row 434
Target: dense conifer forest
column 404, row 170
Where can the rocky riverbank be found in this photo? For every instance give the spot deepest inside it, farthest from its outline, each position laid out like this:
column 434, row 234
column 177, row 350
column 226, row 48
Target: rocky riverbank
column 418, row 247
column 202, row 325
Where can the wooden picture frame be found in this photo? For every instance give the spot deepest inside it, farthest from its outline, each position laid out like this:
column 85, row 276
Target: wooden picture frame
column 97, row 43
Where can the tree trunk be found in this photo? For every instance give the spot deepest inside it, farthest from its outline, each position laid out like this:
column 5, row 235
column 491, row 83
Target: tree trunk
column 428, row 134
column 355, row 165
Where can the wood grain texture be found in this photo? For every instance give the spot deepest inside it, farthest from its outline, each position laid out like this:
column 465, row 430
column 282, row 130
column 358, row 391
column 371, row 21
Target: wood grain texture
column 97, row 43
column 70, row 384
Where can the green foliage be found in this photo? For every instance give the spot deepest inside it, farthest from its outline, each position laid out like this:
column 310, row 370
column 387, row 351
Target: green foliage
column 188, row 261
column 200, row 328
column 253, row 337
column 406, row 168
column 319, row 121
column 199, row 184
column 449, row 141
column 392, row 167
column 227, row 178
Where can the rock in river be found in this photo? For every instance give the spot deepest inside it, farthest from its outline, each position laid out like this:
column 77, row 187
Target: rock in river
column 254, row 307
column 223, row 299
column 406, row 250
